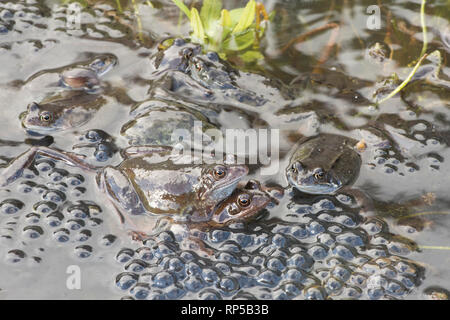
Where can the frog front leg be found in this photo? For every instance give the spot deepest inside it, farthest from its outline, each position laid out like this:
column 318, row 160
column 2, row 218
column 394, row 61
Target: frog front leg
column 15, row 169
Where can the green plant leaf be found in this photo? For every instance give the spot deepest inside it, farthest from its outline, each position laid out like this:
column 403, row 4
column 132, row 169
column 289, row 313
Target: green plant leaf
column 247, row 17
column 235, row 16
column 225, row 18
column 239, row 41
column 226, row 24
column 210, row 13
column 183, row 7
column 251, row 56
column 196, row 25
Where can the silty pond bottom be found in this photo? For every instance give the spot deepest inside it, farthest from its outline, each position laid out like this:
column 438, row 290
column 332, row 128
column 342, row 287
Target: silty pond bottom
column 104, row 85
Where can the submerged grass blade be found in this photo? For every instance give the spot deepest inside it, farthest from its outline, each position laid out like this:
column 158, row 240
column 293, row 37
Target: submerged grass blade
column 183, row 7
column 426, row 213
column 423, row 56
column 138, row 20
column 119, row 6
column 405, row 82
column 424, row 28
column 435, row 247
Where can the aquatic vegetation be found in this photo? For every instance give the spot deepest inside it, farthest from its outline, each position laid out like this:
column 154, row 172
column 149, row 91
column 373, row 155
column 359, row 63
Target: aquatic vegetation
column 423, row 55
column 227, row 32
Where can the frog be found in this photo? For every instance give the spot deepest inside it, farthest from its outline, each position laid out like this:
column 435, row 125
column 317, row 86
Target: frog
column 84, row 76
column 155, row 121
column 332, row 82
column 244, row 204
column 185, row 69
column 60, row 111
column 323, row 164
column 150, row 181
column 76, row 102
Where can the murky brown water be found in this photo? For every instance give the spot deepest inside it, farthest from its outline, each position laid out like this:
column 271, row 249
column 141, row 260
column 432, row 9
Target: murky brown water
column 294, row 255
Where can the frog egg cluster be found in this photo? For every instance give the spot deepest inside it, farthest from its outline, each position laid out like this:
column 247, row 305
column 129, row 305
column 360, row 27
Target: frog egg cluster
column 420, row 153
column 28, row 16
column 329, row 254
column 50, row 206
column 102, row 143
column 17, row 17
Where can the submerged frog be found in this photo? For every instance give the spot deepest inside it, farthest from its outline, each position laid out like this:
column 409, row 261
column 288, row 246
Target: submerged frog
column 151, row 181
column 80, row 76
column 333, row 83
column 65, row 109
column 323, row 164
column 61, row 111
column 156, row 122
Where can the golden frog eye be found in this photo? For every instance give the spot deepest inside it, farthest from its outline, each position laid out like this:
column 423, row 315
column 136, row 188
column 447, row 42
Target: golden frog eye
column 244, row 200
column 45, row 116
column 220, row 172
column 319, row 175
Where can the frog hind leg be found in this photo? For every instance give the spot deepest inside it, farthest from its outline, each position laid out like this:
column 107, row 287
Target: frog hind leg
column 136, row 151
column 15, row 169
column 121, row 192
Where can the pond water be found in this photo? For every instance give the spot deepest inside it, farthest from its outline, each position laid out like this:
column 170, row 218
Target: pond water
column 386, row 237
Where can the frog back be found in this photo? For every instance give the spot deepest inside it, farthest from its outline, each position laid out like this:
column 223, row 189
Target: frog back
column 164, row 188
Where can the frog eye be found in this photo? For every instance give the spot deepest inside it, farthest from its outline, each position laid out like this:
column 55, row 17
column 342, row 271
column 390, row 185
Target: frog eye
column 198, row 66
column 296, row 167
column 187, row 53
column 244, row 200
column 220, row 172
column 319, row 175
column 46, row 116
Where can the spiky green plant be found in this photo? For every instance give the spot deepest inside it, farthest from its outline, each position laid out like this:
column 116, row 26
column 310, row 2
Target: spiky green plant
column 227, row 32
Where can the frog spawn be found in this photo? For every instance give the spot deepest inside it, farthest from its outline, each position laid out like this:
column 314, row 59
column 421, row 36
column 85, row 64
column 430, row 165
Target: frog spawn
column 331, row 253
column 58, row 212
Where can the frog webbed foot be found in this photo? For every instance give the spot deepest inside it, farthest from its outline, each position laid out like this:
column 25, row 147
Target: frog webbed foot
column 101, row 141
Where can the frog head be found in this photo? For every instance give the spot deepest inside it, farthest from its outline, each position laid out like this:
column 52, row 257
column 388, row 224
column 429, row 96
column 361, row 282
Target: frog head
column 217, row 182
column 242, row 205
column 315, row 180
column 60, row 112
